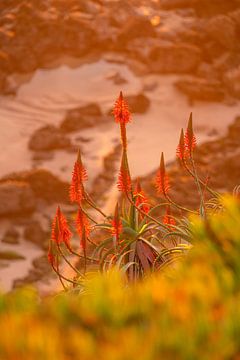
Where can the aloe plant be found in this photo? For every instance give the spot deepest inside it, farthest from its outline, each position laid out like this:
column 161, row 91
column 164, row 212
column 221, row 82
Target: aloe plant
column 135, row 239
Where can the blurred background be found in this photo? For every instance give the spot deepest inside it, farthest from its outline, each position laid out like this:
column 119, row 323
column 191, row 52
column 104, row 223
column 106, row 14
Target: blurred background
column 62, row 66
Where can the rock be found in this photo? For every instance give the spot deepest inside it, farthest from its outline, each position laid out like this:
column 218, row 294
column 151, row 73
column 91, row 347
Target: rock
column 227, row 61
column 83, row 139
column 16, row 198
column 2, row 82
column 228, row 167
column 32, row 277
column 43, row 184
column 35, row 233
column 234, row 130
column 235, row 16
column 47, row 186
column 138, row 103
column 201, row 89
column 41, row 263
column 75, row 122
column 40, row 268
column 232, row 81
column 173, row 4
column 174, row 58
column 137, row 26
column 222, row 30
column 48, row 138
column 4, row 62
column 43, row 156
column 105, row 179
column 91, row 109
column 82, row 118
column 10, row 255
column 11, row 236
column 78, row 37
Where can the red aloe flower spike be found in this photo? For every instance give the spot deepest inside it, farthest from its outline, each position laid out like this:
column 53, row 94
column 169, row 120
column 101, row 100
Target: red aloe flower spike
column 141, row 199
column 60, row 229
column 181, row 153
column 122, row 115
column 124, row 180
column 78, row 177
column 162, row 180
column 168, row 219
column 116, row 225
column 121, row 111
column 190, row 139
column 83, row 228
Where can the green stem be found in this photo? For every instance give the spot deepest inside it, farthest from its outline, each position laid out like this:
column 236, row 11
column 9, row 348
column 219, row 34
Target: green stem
column 214, row 193
column 68, row 262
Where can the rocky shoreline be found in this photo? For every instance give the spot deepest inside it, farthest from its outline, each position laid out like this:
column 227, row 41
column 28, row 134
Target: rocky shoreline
column 203, row 37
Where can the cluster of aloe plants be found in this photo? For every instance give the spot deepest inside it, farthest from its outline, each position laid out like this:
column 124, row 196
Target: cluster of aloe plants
column 136, row 238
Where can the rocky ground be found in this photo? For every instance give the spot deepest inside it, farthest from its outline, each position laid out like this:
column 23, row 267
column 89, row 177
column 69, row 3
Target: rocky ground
column 202, row 35
column 197, row 39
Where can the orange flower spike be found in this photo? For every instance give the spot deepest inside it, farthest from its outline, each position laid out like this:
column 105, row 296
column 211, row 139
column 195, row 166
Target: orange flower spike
column 124, row 180
column 162, row 180
column 60, row 229
column 141, row 199
column 116, row 223
column 121, row 112
column 168, row 219
column 78, row 177
column 122, row 116
column 83, row 228
column 181, row 153
column 190, row 139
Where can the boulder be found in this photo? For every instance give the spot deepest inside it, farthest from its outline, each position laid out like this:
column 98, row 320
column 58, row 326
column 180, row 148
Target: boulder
column 232, row 81
column 173, row 4
column 137, row 26
column 48, row 138
column 139, row 103
column 201, row 89
column 16, row 197
column 82, row 117
column 43, row 184
column 11, row 236
column 222, row 29
column 41, row 263
column 35, row 233
column 234, row 130
column 169, row 57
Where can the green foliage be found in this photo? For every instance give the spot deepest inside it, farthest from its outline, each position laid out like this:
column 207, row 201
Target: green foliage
column 189, row 311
